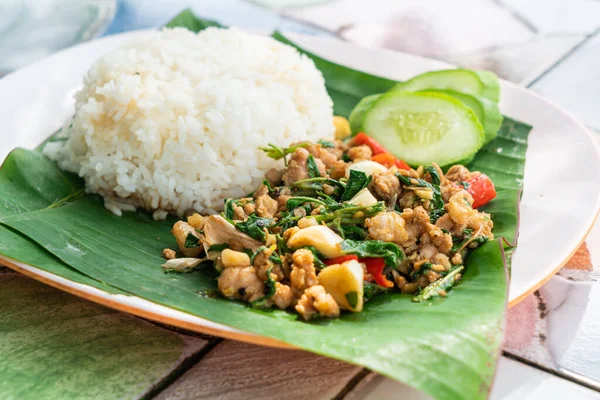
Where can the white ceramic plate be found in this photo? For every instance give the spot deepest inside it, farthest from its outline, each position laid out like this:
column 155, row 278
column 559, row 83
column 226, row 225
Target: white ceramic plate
column 559, row 205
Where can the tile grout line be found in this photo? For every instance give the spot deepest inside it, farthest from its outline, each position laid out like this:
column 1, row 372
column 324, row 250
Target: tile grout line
column 309, row 24
column 562, row 374
column 281, row 13
column 352, row 384
column 564, row 57
column 523, row 20
column 181, row 369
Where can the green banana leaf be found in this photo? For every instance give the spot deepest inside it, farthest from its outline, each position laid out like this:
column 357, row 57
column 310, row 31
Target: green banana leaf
column 447, row 347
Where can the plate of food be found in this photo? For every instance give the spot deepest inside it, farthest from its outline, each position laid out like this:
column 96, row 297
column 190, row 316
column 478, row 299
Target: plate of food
column 294, row 191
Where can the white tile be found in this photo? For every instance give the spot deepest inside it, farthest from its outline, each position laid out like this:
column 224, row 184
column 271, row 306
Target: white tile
column 559, row 16
column 434, row 28
column 575, row 83
column 281, row 4
column 514, row 380
column 574, row 326
column 522, row 62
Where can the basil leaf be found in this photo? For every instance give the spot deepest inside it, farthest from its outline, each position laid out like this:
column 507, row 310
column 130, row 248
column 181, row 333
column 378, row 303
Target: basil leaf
column 326, row 143
column 435, row 177
column 295, row 202
column 191, row 241
column 313, row 169
column 270, row 288
column 277, row 153
column 357, row 181
column 390, row 252
column 354, row 232
column 228, row 209
column 319, row 257
column 439, row 287
column 437, row 202
column 218, row 247
column 352, row 298
column 371, row 290
column 254, row 226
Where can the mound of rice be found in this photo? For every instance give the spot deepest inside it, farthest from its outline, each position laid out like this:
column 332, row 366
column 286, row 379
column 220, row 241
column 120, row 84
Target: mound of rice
column 172, row 124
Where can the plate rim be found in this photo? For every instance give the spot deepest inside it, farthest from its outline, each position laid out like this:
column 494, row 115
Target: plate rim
column 107, row 299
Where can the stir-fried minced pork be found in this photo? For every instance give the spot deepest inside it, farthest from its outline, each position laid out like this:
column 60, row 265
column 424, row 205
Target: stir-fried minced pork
column 304, row 274
column 387, row 227
column 328, row 156
column 241, row 283
column 263, row 264
column 403, row 229
column 283, row 296
column 298, row 168
column 266, row 206
column 316, row 300
column 386, row 185
column 360, row 153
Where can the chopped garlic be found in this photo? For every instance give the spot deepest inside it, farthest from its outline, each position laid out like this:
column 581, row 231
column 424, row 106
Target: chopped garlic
column 363, row 198
column 322, row 238
column 344, row 282
column 367, row 166
column 182, row 264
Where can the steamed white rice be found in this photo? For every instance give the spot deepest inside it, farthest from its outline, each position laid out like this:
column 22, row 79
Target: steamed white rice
column 173, row 123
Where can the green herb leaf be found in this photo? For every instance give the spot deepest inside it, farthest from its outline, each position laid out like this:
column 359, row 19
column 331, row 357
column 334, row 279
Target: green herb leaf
column 372, row 290
column 422, row 270
column 270, row 288
column 255, row 226
column 313, row 169
column 218, row 247
column 311, row 186
column 352, row 298
column 228, row 208
column 437, row 203
column 326, row 143
column 191, row 241
column 435, row 177
column 438, row 287
column 354, row 232
column 295, row 202
column 275, row 258
column 319, row 264
column 390, row 252
column 465, row 185
column 357, row 181
column 277, row 153
column 268, row 185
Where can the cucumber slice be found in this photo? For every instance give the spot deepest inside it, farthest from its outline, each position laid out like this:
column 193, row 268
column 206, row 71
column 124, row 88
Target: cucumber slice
column 424, row 127
column 491, row 85
column 358, row 113
column 479, row 83
column 485, row 110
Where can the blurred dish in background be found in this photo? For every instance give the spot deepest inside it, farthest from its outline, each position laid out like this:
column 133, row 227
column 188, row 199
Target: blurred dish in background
column 33, row 29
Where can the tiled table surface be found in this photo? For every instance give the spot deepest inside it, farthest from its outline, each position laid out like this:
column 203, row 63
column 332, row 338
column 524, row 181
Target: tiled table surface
column 69, row 348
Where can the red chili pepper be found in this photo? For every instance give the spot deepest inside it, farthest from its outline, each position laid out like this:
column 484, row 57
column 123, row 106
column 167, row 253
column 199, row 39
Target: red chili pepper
column 380, row 153
column 402, row 165
column 363, row 138
column 340, row 259
column 375, row 267
column 385, row 159
column 482, row 189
